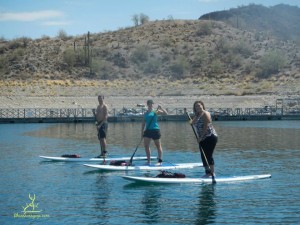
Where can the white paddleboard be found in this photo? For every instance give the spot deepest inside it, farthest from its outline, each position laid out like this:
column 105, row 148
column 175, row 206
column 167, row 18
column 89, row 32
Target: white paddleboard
column 163, row 166
column 66, row 159
column 195, row 180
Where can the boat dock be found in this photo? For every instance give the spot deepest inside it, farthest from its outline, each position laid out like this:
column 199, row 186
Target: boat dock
column 80, row 115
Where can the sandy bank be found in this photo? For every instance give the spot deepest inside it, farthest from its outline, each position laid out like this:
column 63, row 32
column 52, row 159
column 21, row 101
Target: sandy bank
column 119, row 102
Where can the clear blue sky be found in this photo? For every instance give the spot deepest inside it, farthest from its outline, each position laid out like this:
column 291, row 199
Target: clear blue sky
column 35, row 18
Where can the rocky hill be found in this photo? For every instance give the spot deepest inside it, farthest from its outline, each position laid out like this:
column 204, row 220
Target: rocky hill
column 204, row 54
column 280, row 21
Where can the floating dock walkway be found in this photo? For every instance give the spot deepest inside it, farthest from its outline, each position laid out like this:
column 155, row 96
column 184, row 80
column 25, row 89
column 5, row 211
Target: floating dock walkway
column 74, row 115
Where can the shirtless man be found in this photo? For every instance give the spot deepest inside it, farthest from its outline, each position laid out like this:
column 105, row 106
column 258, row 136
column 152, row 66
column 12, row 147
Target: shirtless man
column 101, row 115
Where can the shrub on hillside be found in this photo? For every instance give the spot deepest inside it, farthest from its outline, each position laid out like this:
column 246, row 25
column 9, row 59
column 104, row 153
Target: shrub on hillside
column 120, row 60
column 216, row 67
column 80, row 57
column 139, row 55
column 221, row 45
column 271, row 63
column 16, row 55
column 248, row 68
column 25, row 41
column 233, row 60
column 180, row 67
column 243, row 48
column 152, row 66
column 200, row 58
column 73, row 58
column 204, row 29
column 167, row 42
column 101, row 69
column 14, row 44
column 4, row 64
column 69, row 57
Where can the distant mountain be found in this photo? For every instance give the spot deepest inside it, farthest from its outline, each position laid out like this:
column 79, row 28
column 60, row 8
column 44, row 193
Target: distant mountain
column 281, row 21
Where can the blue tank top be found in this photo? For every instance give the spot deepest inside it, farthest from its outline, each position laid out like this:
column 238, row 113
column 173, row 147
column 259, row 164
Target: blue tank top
column 151, row 117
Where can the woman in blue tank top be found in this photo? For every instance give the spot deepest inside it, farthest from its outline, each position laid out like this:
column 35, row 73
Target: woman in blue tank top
column 207, row 136
column 152, row 130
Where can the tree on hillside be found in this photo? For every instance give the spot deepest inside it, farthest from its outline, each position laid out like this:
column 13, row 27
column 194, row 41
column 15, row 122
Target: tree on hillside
column 140, row 19
column 135, row 19
column 62, row 34
column 144, row 18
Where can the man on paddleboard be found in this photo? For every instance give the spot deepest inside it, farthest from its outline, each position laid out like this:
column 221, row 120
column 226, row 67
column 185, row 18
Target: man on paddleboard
column 101, row 115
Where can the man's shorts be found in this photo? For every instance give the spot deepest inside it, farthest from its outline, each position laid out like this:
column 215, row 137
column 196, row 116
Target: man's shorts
column 102, row 131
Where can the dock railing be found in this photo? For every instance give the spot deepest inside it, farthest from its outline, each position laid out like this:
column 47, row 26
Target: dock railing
column 45, row 113
column 86, row 113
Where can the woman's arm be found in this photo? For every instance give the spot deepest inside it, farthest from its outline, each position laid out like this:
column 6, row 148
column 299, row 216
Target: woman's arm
column 161, row 111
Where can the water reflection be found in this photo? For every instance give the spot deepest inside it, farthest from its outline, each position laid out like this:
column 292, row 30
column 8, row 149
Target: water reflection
column 179, row 135
column 102, row 196
column 258, row 138
column 207, row 205
column 78, row 131
column 152, row 209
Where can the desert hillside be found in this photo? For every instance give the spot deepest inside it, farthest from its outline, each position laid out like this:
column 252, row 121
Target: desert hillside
column 170, row 57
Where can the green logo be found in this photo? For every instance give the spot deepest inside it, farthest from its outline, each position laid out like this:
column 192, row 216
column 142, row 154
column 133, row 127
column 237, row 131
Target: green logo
column 30, row 210
column 31, row 207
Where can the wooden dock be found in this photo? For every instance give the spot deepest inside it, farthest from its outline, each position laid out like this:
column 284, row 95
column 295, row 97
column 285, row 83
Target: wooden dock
column 80, row 115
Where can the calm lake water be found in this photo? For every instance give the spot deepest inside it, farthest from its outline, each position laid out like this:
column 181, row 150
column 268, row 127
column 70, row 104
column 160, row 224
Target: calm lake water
column 69, row 193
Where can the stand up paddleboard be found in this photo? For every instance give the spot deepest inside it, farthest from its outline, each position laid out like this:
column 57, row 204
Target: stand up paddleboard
column 67, row 159
column 163, row 166
column 195, row 180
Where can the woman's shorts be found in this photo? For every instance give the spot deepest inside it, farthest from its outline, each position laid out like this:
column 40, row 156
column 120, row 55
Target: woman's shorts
column 153, row 134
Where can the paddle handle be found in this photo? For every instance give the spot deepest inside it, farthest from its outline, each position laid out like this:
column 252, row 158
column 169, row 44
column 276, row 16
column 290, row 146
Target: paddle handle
column 196, row 135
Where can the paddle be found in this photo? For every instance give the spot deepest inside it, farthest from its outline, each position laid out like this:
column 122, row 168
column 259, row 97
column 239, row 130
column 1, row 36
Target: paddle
column 196, row 135
column 130, row 161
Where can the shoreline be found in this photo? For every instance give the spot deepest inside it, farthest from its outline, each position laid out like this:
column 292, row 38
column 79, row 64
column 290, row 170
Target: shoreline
column 118, row 102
